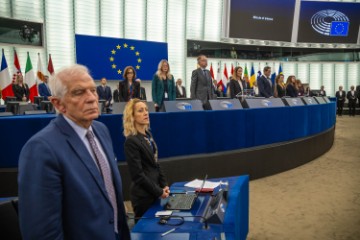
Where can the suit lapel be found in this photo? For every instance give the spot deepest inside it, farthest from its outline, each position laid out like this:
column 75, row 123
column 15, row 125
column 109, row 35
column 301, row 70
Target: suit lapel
column 83, row 154
column 147, row 147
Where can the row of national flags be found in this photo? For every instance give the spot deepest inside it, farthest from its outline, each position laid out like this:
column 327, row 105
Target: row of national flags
column 30, row 78
column 225, row 78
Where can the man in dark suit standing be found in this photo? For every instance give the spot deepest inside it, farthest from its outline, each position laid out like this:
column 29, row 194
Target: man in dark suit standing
column 142, row 90
column 201, row 83
column 180, row 90
column 322, row 92
column 104, row 92
column 340, row 99
column 266, row 88
column 44, row 89
column 351, row 96
column 69, row 183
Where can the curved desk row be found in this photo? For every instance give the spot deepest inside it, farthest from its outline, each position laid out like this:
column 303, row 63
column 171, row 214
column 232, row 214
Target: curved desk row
column 186, row 136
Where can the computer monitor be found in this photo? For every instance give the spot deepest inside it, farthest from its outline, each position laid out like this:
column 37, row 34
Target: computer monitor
column 293, row 102
column 6, row 114
column 10, row 99
column 47, row 106
column 309, row 100
column 38, row 100
column 12, row 107
column 263, row 102
column 225, row 104
column 183, row 106
column 118, row 107
column 320, row 100
column 24, row 106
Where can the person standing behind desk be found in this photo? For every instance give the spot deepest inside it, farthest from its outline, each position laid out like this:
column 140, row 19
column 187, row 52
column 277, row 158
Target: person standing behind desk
column 180, row 90
column 322, row 92
column 163, row 86
column 69, row 182
column 279, row 90
column 237, row 84
column 291, row 89
column 266, row 88
column 201, row 87
column 44, row 90
column 358, row 93
column 129, row 88
column 21, row 89
column 340, row 96
column 116, row 94
column 104, row 93
column 351, row 96
column 141, row 153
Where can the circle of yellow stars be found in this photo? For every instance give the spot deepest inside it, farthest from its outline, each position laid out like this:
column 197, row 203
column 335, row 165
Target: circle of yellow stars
column 118, row 48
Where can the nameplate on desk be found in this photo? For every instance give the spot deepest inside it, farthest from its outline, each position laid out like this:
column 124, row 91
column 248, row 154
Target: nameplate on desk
column 263, row 102
column 320, row 100
column 309, row 101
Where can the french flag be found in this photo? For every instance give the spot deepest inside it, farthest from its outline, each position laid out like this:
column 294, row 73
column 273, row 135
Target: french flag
column 5, row 80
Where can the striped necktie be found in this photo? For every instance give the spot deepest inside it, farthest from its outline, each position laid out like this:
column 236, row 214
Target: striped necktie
column 106, row 174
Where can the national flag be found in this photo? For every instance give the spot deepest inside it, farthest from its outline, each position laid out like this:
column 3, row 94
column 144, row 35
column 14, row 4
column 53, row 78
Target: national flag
column 259, row 74
column 225, row 78
column 252, row 76
column 212, row 72
column 17, row 69
column 232, row 69
column 50, row 67
column 280, row 69
column 218, row 75
column 40, row 73
column 273, row 77
column 30, row 79
column 5, row 80
column 246, row 74
column 108, row 57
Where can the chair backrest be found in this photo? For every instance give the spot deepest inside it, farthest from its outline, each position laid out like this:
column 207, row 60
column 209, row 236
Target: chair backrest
column 9, row 221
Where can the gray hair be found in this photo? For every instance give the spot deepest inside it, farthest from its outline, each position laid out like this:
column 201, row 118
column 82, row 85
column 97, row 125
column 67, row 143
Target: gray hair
column 57, row 82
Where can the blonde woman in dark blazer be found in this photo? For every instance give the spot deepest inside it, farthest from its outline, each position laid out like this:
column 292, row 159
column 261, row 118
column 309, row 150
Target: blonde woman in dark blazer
column 141, row 153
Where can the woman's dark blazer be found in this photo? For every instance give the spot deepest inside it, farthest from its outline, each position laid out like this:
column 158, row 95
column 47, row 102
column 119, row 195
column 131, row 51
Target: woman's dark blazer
column 280, row 91
column 291, row 91
column 124, row 88
column 20, row 91
column 148, row 179
column 234, row 88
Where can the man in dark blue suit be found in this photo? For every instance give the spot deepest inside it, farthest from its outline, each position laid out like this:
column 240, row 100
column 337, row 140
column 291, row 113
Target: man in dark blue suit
column 44, row 89
column 69, row 183
column 266, row 88
column 104, row 92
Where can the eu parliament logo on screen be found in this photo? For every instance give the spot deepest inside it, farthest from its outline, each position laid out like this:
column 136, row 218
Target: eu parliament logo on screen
column 340, row 29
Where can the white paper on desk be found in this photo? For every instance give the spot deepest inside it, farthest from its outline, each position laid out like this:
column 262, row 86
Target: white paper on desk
column 197, row 184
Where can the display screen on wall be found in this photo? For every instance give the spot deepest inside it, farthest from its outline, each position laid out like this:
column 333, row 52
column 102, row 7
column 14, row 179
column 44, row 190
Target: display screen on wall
column 329, row 22
column 262, row 19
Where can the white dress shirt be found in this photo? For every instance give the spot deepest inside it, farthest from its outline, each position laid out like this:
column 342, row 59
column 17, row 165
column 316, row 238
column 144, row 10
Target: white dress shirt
column 180, row 89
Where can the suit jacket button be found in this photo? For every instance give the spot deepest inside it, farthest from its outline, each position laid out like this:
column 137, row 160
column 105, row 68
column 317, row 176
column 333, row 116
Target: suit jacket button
column 111, row 221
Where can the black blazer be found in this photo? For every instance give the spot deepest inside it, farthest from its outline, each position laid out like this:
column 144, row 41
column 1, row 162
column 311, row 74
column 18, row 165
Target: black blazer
column 351, row 97
column 142, row 94
column 19, row 92
column 280, row 91
column 104, row 94
column 340, row 97
column 234, row 88
column 178, row 95
column 148, row 179
column 291, row 91
column 124, row 91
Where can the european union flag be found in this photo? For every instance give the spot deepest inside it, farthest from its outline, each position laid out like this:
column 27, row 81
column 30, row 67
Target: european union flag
column 340, row 29
column 107, row 57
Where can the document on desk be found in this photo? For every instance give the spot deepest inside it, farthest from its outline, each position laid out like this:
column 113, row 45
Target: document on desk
column 197, row 184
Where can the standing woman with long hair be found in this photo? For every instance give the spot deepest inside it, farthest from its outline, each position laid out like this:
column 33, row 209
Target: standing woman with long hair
column 291, row 89
column 279, row 90
column 21, row 90
column 235, row 85
column 129, row 88
column 163, row 86
column 141, row 153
